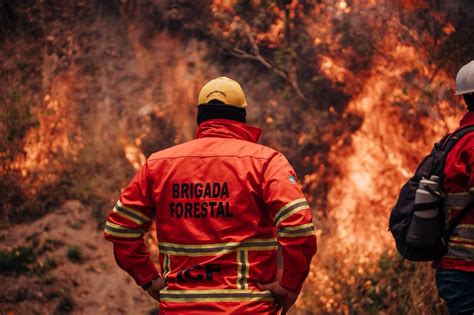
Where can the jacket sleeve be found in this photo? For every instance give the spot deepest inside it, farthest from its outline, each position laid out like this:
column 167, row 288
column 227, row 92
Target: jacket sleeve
column 470, row 166
column 293, row 220
column 126, row 225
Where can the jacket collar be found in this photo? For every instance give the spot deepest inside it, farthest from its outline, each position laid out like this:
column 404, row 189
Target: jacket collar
column 468, row 119
column 224, row 128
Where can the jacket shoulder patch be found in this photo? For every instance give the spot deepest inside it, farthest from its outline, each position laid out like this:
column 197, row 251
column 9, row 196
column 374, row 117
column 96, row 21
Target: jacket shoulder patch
column 292, row 179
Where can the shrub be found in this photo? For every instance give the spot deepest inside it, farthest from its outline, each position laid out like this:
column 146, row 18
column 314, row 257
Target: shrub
column 74, row 254
column 66, row 303
column 48, row 265
column 17, row 260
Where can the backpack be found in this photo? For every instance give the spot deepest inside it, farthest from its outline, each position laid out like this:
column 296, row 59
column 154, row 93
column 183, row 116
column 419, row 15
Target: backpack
column 430, row 239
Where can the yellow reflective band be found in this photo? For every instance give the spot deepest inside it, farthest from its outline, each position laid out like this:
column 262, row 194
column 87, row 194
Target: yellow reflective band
column 460, row 251
column 131, row 214
column 166, row 265
column 300, row 234
column 464, row 193
column 453, row 256
column 122, row 231
column 461, row 239
column 242, row 269
column 216, row 249
column 108, row 223
column 457, row 200
column 297, row 231
column 186, row 246
column 466, row 226
column 299, row 227
column 124, row 215
column 268, row 241
column 206, row 296
column 136, row 212
column 289, row 209
column 464, row 231
column 290, row 213
column 461, row 245
column 125, row 235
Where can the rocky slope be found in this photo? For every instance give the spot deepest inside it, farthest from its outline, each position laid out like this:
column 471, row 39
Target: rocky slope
column 62, row 264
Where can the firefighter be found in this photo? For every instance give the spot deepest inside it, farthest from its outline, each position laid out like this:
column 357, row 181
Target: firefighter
column 455, row 271
column 222, row 205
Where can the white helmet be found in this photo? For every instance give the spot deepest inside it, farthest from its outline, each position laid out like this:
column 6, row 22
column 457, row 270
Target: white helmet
column 465, row 79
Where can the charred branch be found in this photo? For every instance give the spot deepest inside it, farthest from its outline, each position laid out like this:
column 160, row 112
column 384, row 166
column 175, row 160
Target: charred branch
column 254, row 54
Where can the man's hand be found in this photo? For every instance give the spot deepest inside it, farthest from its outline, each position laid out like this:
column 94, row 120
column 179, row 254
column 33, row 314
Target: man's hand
column 284, row 298
column 156, row 287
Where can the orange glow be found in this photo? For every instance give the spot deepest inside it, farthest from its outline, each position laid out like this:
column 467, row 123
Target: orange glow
column 55, row 140
column 134, row 155
column 380, row 158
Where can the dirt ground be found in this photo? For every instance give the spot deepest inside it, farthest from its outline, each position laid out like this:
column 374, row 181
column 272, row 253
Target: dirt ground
column 64, row 266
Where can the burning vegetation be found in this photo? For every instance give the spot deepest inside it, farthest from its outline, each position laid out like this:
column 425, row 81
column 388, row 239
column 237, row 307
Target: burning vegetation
column 354, row 93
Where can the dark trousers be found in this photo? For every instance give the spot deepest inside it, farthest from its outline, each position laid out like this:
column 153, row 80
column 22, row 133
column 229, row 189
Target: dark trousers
column 456, row 287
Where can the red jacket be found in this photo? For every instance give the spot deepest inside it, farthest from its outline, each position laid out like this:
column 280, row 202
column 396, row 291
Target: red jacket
column 222, row 205
column 459, row 186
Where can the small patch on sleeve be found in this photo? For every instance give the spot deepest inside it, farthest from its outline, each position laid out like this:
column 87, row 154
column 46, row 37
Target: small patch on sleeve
column 292, row 179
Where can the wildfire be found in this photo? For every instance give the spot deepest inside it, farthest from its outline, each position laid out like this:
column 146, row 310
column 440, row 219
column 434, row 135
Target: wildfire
column 365, row 48
column 383, row 153
column 273, row 37
column 134, row 154
column 49, row 146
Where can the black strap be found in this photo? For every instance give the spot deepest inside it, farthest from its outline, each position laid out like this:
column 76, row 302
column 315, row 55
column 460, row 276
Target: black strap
column 455, row 136
column 426, row 206
column 448, row 142
column 457, row 219
column 447, row 145
column 439, row 145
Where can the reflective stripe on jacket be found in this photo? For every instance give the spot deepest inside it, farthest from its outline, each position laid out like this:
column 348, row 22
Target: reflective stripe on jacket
column 459, row 186
column 222, row 204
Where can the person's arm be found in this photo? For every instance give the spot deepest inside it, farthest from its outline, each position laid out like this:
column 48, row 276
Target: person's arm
column 293, row 219
column 126, row 225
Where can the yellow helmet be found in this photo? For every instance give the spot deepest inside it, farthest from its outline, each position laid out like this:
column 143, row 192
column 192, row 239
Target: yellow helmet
column 225, row 90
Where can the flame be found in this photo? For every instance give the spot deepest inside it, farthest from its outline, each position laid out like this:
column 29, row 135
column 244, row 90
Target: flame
column 134, row 154
column 376, row 166
column 228, row 22
column 49, row 146
column 331, row 69
column 384, row 150
column 400, row 96
column 386, row 69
